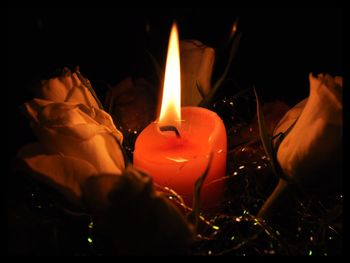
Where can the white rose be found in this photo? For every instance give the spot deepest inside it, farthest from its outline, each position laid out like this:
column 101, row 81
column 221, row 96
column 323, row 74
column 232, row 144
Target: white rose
column 67, row 88
column 197, row 61
column 75, row 142
column 312, row 150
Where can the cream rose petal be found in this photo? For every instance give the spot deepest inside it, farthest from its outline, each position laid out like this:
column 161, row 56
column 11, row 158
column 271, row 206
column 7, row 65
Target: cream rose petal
column 81, row 94
column 63, row 128
column 86, row 141
column 313, row 146
column 289, row 118
column 66, row 88
column 56, row 89
column 103, row 118
column 66, row 174
column 197, row 61
column 32, row 108
column 52, row 112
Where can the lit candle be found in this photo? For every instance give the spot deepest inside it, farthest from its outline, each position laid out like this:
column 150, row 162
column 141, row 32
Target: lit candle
column 175, row 149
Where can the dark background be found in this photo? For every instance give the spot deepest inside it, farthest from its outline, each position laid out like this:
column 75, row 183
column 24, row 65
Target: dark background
column 279, row 47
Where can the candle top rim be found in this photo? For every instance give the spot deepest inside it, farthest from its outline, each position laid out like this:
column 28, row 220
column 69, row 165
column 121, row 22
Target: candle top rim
column 201, row 128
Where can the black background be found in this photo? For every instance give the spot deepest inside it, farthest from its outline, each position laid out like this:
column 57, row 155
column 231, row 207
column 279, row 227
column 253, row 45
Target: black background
column 279, row 48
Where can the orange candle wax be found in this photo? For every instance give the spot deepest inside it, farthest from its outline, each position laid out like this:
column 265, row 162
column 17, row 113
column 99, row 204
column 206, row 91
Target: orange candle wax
column 177, row 162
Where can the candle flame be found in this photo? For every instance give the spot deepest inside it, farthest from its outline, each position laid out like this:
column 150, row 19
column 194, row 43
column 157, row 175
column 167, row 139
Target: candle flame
column 170, row 113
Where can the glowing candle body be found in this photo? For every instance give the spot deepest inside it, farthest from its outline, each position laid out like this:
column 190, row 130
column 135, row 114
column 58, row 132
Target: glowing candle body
column 177, row 162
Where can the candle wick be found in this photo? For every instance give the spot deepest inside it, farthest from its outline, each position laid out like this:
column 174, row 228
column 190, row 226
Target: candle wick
column 170, row 128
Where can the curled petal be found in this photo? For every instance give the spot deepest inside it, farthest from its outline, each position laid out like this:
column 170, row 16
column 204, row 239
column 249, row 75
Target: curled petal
column 88, row 142
column 80, row 94
column 103, row 118
column 65, row 174
column 56, row 89
column 48, row 113
column 66, row 88
column 64, row 128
